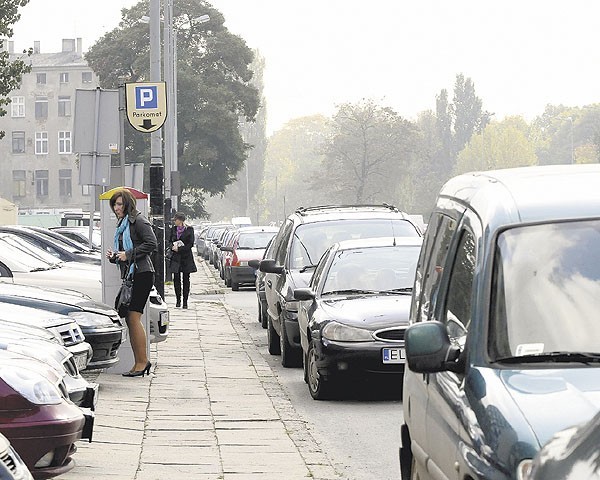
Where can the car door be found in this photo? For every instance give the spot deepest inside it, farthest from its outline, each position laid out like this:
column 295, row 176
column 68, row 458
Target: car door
column 448, row 407
column 272, row 280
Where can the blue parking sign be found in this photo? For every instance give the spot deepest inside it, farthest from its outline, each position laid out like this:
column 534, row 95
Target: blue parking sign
column 146, row 97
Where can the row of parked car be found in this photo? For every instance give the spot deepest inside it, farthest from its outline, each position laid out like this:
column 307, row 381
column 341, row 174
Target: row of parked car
column 488, row 318
column 48, row 336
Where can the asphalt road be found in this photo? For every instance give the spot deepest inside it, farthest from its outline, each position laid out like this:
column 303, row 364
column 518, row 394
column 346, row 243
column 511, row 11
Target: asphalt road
column 360, row 430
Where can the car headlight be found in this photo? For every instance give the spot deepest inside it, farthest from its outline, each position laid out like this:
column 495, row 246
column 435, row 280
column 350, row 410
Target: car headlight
column 31, row 385
column 91, row 319
column 524, row 469
column 34, row 353
column 343, row 333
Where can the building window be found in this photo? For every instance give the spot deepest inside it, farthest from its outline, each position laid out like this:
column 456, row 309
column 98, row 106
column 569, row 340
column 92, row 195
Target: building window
column 86, row 190
column 17, row 106
column 18, row 142
column 64, row 77
column 64, row 142
column 64, row 182
column 41, row 183
column 41, row 79
column 86, row 77
column 41, row 107
column 41, row 143
column 64, row 106
column 19, row 181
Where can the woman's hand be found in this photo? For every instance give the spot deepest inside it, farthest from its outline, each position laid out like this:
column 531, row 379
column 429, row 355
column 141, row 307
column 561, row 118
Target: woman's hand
column 174, row 248
column 109, row 254
column 121, row 256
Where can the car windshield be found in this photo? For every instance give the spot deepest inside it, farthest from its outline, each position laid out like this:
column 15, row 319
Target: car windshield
column 312, row 239
column 256, row 240
column 30, row 249
column 546, row 290
column 378, row 269
column 18, row 258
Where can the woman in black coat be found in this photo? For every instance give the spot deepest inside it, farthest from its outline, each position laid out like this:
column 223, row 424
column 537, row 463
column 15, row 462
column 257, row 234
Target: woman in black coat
column 182, row 258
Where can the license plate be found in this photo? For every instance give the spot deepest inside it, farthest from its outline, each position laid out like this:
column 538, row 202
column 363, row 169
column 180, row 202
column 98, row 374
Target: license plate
column 81, row 361
column 393, row 355
column 163, row 319
column 243, row 264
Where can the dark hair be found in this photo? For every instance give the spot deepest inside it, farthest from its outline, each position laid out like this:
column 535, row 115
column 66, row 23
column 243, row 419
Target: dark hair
column 128, row 200
column 179, row 216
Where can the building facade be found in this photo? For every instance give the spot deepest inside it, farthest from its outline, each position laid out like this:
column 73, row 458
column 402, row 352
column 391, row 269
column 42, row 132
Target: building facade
column 39, row 168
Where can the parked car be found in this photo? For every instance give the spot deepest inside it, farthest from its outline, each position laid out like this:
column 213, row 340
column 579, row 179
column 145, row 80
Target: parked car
column 571, row 454
column 100, row 324
column 37, row 418
column 223, row 256
column 353, row 314
column 59, row 237
column 12, row 467
column 259, row 284
column 248, row 244
column 502, row 350
column 81, row 235
column 63, row 251
column 299, row 244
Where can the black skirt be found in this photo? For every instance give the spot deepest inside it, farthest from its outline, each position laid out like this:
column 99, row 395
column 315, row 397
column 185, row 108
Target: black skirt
column 142, row 284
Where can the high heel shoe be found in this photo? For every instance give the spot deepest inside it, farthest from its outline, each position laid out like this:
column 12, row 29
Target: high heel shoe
column 139, row 373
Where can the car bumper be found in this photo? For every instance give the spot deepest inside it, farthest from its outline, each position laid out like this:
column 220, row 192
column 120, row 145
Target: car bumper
column 81, row 392
column 105, row 346
column 158, row 317
column 292, row 328
column 356, row 358
column 242, row 274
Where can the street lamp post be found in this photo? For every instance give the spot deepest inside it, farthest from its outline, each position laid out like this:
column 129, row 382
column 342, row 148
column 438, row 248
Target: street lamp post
column 570, row 119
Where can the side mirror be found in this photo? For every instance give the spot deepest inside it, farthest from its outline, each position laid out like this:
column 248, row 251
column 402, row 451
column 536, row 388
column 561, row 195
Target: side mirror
column 428, row 348
column 255, row 264
column 269, row 266
column 227, row 249
column 304, row 294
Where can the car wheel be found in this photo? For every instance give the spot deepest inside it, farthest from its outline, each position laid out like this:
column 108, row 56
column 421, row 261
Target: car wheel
column 227, row 279
column 263, row 312
column 319, row 388
column 235, row 286
column 305, row 366
column 290, row 356
column 260, row 315
column 272, row 338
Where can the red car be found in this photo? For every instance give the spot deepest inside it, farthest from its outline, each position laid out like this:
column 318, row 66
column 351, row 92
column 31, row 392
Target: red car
column 35, row 415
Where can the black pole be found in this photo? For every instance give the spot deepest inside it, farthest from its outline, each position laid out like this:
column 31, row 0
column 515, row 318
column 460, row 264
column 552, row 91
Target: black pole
column 156, row 210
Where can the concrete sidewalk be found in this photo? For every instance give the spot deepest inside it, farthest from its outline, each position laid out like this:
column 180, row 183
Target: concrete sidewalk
column 211, row 409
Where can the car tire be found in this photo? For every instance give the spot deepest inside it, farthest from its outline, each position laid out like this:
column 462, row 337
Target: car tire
column 318, row 387
column 272, row 338
column 290, row 356
column 235, row 286
column 227, row 279
column 263, row 313
column 405, row 455
column 305, row 366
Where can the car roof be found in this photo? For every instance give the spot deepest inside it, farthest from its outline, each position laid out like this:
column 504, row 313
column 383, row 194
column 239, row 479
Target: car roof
column 258, row 229
column 332, row 212
column 380, row 242
column 529, row 194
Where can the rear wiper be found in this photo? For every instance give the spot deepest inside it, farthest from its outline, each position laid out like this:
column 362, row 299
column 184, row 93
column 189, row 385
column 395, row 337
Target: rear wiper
column 559, row 357
column 306, row 267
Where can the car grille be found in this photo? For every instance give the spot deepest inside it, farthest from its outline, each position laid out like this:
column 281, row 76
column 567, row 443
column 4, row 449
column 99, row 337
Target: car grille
column 395, row 334
column 71, row 367
column 71, row 334
column 8, row 460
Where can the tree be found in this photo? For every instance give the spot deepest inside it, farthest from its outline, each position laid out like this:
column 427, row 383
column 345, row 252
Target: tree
column 214, row 91
column 503, row 144
column 369, row 151
column 11, row 72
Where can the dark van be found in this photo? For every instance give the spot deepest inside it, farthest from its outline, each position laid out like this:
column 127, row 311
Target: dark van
column 503, row 348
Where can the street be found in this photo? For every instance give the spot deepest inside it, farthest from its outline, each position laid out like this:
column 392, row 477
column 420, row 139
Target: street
column 359, row 432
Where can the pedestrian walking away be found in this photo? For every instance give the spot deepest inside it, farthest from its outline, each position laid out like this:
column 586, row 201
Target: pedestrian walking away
column 134, row 242
column 181, row 263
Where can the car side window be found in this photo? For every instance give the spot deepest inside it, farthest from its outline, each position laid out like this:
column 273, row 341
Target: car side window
column 316, row 278
column 435, row 252
column 282, row 244
column 457, row 315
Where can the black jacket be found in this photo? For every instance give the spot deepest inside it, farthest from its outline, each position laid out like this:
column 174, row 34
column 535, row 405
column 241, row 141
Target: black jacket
column 144, row 242
column 183, row 259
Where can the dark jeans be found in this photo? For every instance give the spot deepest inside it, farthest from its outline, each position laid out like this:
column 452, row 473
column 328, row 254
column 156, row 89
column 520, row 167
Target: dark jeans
column 177, row 285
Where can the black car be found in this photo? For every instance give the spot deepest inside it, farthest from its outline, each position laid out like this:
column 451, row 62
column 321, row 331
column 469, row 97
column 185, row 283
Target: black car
column 100, row 324
column 259, row 283
column 298, row 246
column 354, row 313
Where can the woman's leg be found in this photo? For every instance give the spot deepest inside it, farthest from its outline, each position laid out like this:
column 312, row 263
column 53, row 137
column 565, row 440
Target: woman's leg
column 186, row 288
column 137, row 337
column 177, row 286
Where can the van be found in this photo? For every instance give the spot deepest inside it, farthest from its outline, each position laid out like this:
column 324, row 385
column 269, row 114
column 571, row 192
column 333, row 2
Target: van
column 503, row 345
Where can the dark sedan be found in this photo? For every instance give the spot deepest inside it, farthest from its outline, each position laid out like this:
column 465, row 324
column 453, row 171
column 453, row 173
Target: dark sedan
column 354, row 313
column 100, row 324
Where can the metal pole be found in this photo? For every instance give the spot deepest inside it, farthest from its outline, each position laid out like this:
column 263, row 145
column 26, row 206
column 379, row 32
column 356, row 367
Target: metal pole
column 122, row 128
column 247, row 191
column 156, row 162
column 174, row 156
column 168, row 77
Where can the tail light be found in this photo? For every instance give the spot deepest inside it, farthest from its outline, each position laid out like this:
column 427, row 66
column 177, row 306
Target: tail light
column 235, row 262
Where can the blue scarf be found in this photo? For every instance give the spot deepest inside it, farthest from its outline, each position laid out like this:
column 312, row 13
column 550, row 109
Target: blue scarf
column 123, row 228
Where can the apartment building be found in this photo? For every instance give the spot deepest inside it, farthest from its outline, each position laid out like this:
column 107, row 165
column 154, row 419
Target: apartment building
column 39, row 169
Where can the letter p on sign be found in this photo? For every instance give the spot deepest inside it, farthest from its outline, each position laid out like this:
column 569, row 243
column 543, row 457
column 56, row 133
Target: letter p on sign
column 146, row 97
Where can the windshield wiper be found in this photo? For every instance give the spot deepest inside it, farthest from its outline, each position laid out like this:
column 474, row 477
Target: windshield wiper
column 306, row 267
column 401, row 291
column 559, row 357
column 350, row 291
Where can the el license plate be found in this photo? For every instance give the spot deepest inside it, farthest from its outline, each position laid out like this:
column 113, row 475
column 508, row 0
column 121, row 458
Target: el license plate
column 81, row 361
column 393, row 355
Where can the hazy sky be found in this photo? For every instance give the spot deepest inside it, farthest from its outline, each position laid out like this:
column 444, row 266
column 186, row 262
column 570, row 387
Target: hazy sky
column 521, row 55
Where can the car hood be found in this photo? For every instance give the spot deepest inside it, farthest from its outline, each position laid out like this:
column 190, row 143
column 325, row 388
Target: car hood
column 31, row 316
column 533, row 402
column 368, row 311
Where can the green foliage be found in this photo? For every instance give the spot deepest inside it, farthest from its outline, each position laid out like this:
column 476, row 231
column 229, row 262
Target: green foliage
column 11, row 72
column 213, row 92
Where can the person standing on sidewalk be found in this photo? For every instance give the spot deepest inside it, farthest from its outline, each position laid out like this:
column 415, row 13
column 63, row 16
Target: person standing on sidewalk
column 133, row 244
column 182, row 259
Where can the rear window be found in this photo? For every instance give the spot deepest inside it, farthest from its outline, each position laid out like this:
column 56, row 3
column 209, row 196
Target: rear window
column 312, row 239
column 255, row 240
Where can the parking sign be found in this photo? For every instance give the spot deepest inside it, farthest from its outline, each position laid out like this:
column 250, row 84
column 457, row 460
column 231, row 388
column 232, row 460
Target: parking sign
column 146, row 105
